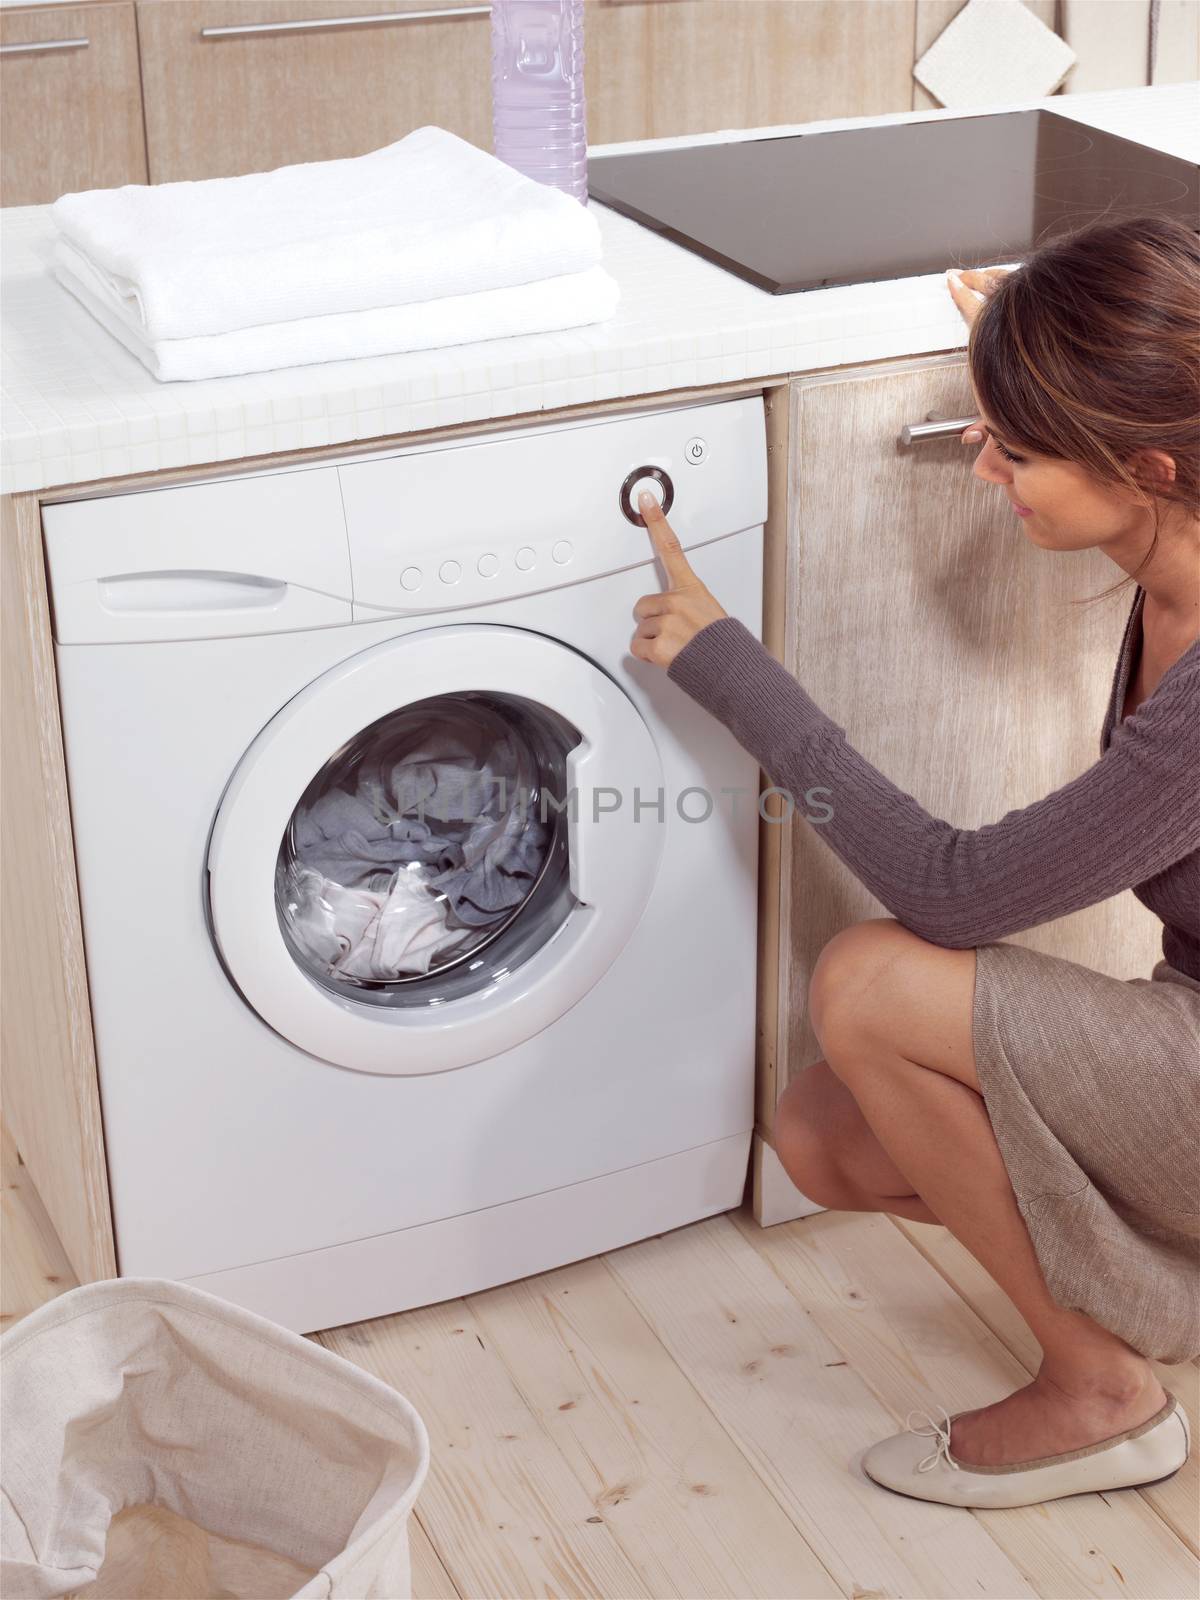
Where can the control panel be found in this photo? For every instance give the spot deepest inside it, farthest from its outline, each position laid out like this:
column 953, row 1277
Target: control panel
column 466, row 522
column 425, row 528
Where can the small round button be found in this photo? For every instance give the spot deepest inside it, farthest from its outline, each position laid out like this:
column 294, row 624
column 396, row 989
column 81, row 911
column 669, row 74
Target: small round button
column 488, row 566
column 647, row 486
column 648, row 477
column 526, row 557
column 563, row 551
column 449, row 572
column 695, row 451
column 410, row 578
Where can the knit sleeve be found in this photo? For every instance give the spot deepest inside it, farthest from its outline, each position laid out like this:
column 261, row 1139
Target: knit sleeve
column 1132, row 814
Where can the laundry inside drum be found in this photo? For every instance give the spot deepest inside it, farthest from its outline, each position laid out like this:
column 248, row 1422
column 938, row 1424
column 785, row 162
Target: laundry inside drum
column 429, row 856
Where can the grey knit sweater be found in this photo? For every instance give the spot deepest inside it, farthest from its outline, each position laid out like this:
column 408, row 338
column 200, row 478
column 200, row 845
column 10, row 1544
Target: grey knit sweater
column 1131, row 821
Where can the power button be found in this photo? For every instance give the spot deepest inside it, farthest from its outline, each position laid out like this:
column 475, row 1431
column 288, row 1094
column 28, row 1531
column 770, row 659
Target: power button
column 653, row 479
column 695, row 451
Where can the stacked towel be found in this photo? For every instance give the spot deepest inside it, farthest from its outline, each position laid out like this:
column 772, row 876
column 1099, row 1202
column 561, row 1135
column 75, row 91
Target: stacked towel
column 426, row 242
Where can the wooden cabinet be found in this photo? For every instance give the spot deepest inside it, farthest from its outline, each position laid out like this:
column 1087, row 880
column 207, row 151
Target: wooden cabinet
column 232, row 86
column 311, row 80
column 224, row 102
column 70, row 101
column 658, row 68
column 220, row 102
column 958, row 657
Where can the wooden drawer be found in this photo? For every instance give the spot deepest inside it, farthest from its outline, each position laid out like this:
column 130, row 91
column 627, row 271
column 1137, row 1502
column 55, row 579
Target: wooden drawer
column 70, row 118
column 659, row 68
column 247, row 102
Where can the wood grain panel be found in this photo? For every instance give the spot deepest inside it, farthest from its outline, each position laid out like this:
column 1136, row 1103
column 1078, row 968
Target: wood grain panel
column 802, row 1414
column 216, row 107
column 503, row 1508
column 1111, row 39
column 949, row 648
column 1176, row 55
column 33, row 1265
column 51, row 1097
column 69, row 119
column 777, row 405
column 669, row 67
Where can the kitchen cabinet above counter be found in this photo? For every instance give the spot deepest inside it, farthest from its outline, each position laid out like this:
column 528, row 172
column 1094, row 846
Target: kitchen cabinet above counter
column 77, row 407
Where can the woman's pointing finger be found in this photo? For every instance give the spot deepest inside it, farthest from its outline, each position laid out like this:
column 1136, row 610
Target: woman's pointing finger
column 666, row 542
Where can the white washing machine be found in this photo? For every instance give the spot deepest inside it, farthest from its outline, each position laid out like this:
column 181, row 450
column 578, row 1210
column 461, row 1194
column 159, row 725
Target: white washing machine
column 296, row 1116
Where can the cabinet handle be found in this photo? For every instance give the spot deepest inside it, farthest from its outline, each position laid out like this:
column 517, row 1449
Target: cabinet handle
column 37, row 46
column 934, row 428
column 245, row 29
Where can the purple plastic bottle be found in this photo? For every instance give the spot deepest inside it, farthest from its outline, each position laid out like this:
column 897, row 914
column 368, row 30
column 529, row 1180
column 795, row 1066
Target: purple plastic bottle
column 539, row 120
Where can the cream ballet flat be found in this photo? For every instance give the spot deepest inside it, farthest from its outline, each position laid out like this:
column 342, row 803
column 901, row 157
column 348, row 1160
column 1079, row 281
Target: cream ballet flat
column 1154, row 1449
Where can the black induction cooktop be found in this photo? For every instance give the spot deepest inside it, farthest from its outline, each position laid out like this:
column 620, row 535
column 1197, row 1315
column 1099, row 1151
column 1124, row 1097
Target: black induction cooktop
column 852, row 205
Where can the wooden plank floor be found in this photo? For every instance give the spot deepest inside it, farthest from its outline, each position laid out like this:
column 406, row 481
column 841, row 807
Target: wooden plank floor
column 684, row 1417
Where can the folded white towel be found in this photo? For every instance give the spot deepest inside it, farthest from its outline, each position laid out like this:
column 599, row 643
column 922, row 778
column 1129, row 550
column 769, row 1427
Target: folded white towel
column 569, row 300
column 427, row 217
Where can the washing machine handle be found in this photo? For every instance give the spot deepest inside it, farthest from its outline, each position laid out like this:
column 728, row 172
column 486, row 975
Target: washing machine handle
column 587, row 845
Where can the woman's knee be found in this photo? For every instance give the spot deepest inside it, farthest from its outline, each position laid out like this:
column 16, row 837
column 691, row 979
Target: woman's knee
column 814, row 1129
column 879, row 989
column 847, row 994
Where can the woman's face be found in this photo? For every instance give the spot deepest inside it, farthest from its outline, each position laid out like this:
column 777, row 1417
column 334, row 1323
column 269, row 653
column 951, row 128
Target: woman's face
column 1060, row 506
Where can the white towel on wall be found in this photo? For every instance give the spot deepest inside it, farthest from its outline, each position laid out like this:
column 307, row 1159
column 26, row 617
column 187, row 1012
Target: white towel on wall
column 569, row 300
column 428, row 217
column 992, row 52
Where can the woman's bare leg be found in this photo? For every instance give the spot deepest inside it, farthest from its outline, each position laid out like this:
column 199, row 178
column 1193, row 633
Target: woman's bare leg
column 829, row 1152
column 893, row 1014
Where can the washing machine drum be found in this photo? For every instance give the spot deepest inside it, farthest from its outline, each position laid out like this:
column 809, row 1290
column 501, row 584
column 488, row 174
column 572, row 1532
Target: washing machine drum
column 430, row 855
column 436, row 849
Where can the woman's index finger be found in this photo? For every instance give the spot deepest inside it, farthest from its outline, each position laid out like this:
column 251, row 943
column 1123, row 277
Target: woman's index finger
column 665, row 540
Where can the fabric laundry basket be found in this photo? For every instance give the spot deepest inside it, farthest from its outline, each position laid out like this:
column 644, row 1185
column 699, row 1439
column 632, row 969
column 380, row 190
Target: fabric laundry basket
column 264, row 1464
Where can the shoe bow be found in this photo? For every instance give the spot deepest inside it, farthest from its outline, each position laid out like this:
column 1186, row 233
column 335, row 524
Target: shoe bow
column 932, row 1430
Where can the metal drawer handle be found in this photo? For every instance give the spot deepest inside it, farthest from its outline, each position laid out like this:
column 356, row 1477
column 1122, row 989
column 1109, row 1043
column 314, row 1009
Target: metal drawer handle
column 245, row 29
column 36, row 46
column 934, row 428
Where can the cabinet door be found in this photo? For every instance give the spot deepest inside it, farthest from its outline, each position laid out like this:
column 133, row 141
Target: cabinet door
column 224, row 103
column 656, row 68
column 70, row 102
column 958, row 657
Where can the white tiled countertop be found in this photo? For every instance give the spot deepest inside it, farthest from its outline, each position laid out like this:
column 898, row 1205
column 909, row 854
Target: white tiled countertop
column 77, row 406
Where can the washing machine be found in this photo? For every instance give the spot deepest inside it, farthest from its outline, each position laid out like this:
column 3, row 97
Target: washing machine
column 327, row 1119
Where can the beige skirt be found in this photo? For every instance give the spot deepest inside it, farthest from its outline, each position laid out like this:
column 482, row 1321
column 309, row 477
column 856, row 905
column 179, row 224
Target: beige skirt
column 1092, row 1085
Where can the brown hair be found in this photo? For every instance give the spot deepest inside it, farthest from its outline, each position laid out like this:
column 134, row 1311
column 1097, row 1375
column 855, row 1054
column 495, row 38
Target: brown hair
column 1089, row 352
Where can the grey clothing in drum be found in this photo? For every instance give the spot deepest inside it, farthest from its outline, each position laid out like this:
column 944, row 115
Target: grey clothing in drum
column 435, row 834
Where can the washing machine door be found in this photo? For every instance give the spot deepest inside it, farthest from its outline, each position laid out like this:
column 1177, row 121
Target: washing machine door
column 436, row 849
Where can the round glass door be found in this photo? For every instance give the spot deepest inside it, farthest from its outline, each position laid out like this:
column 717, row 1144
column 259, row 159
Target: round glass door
column 429, row 856
column 435, row 849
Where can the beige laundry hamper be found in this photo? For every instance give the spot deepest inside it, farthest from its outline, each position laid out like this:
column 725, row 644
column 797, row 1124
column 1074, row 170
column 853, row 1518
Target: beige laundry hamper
column 294, row 1470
